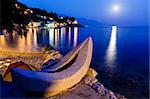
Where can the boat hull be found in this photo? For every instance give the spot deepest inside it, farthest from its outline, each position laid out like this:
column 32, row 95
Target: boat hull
column 56, row 82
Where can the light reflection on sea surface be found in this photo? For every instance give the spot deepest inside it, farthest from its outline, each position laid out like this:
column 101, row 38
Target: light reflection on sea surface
column 111, row 50
column 36, row 38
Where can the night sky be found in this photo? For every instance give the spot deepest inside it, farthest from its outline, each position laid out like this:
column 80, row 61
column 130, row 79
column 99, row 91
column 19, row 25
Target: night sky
column 119, row 12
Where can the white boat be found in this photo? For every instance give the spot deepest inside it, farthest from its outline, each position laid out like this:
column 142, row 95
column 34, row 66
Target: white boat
column 66, row 59
column 60, row 77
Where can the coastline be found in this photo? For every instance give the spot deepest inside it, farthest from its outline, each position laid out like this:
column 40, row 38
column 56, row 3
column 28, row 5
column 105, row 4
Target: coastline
column 84, row 89
column 9, row 53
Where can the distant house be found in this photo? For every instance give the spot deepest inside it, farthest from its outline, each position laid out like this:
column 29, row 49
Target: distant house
column 34, row 24
column 75, row 22
column 51, row 25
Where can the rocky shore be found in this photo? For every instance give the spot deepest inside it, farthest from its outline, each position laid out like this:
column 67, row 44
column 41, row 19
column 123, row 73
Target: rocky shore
column 36, row 59
column 91, row 80
column 88, row 88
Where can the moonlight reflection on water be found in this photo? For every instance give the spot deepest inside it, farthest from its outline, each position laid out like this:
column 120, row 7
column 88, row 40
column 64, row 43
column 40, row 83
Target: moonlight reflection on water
column 111, row 50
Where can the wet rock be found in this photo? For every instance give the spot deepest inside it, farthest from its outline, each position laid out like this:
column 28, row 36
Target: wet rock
column 87, row 80
column 91, row 73
column 119, row 96
column 92, row 81
column 110, row 94
column 101, row 91
column 100, row 88
column 97, row 84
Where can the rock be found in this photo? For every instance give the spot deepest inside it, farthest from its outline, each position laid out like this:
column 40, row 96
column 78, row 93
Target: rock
column 31, row 61
column 47, row 57
column 47, row 52
column 52, row 55
column 52, row 51
column 6, row 64
column 103, row 91
column 91, row 73
column 59, row 56
column 87, row 80
column 1, row 62
column 92, row 81
column 14, row 61
column 97, row 84
column 100, row 89
column 43, row 49
column 8, row 60
column 1, row 66
column 110, row 94
column 19, row 60
column 114, row 97
column 119, row 96
column 3, row 70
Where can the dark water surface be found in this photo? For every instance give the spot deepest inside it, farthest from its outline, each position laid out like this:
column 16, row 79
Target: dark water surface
column 120, row 55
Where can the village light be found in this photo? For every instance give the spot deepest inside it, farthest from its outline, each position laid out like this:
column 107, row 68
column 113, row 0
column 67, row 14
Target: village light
column 16, row 5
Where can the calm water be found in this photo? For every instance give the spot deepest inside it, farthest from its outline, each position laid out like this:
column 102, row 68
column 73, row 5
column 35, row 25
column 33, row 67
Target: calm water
column 120, row 54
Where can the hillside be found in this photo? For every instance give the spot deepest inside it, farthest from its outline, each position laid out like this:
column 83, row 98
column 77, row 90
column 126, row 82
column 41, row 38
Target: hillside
column 14, row 13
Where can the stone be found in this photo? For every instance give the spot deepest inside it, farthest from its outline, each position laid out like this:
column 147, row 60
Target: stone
column 92, row 81
column 59, row 56
column 19, row 60
column 42, row 49
column 119, row 96
column 47, row 57
column 102, row 92
column 31, row 61
column 47, row 52
column 1, row 66
column 97, row 84
column 4, row 70
column 110, row 94
column 106, row 92
column 52, row 51
column 113, row 97
column 87, row 80
column 6, row 64
column 100, row 89
column 1, row 62
column 91, row 73
column 8, row 60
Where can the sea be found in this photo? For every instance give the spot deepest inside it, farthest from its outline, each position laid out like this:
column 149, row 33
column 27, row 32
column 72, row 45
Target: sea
column 120, row 54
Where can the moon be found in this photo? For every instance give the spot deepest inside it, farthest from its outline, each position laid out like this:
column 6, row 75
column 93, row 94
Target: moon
column 116, row 8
